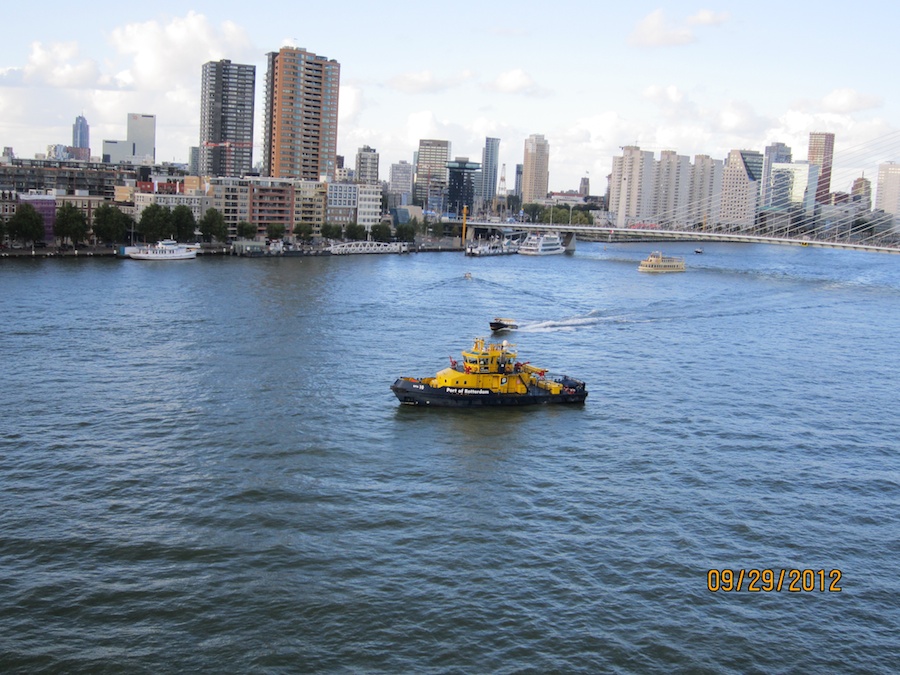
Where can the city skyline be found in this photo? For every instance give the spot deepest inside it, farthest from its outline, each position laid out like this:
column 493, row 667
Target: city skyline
column 693, row 80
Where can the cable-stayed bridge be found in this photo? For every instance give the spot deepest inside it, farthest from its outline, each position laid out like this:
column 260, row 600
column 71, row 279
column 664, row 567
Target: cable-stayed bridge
column 785, row 211
column 824, row 238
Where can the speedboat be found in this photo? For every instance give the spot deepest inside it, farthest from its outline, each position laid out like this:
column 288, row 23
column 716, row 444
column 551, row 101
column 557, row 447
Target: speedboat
column 537, row 243
column 657, row 262
column 698, row 250
column 489, row 375
column 499, row 324
column 167, row 249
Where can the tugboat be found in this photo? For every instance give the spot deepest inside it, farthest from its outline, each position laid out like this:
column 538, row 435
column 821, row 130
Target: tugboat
column 489, row 375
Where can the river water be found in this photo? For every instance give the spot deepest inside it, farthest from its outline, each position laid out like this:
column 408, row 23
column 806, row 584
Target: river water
column 203, row 468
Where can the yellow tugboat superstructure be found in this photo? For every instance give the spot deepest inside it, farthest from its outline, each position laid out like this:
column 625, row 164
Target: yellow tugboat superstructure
column 489, row 374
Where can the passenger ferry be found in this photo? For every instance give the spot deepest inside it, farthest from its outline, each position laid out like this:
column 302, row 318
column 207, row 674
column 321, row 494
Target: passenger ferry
column 167, row 249
column 537, row 243
column 657, row 262
column 489, row 375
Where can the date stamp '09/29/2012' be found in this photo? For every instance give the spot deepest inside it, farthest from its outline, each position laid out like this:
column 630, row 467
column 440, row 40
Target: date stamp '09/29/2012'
column 768, row 580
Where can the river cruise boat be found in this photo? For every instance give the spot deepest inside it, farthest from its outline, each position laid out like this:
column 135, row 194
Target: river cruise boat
column 167, row 249
column 489, row 375
column 657, row 262
column 538, row 243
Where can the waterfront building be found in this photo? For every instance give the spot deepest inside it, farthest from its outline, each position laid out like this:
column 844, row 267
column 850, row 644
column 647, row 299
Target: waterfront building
column 69, row 177
column 432, row 174
column 584, row 188
column 301, row 115
column 401, row 181
column 862, row 192
column 44, row 202
column 81, row 140
column 793, row 187
column 740, row 189
column 461, row 189
column 535, row 169
column 227, row 95
column 169, row 200
column 517, row 187
column 632, row 187
column 776, row 153
column 139, row 147
column 673, row 188
column 821, row 153
column 230, row 196
column 486, row 185
column 310, row 204
column 887, row 194
column 81, row 133
column 354, row 203
column 705, row 199
column 366, row 166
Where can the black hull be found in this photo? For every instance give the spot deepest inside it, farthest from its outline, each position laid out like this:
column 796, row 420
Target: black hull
column 416, row 393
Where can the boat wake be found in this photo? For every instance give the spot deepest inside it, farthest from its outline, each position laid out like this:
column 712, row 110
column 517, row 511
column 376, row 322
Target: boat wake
column 566, row 325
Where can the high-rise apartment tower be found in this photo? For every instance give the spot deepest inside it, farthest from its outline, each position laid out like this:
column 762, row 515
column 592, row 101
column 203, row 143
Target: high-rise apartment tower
column 821, row 152
column 535, row 169
column 301, row 116
column 227, row 92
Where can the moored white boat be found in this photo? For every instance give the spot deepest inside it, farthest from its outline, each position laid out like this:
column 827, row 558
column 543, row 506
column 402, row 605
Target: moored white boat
column 657, row 262
column 167, row 249
column 538, row 243
column 492, row 246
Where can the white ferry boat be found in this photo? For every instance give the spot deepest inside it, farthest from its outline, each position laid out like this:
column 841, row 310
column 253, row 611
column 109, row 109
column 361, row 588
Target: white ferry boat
column 537, row 243
column 167, row 249
column 657, row 262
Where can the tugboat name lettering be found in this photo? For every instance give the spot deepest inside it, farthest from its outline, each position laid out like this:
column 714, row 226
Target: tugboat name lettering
column 457, row 390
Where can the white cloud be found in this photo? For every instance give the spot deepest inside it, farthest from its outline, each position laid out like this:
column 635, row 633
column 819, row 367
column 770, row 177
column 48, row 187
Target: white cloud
column 848, row 101
column 655, row 30
column 350, row 104
column 516, row 81
column 56, row 65
column 426, row 82
column 706, row 17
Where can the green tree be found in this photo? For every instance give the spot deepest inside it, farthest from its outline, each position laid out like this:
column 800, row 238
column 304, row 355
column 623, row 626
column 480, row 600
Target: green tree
column 110, row 224
column 355, row 232
column 245, row 230
column 26, row 224
column 184, row 222
column 212, row 224
column 156, row 223
column 513, row 204
column 275, row 230
column 304, row 231
column 533, row 211
column 70, row 224
column 381, row 232
column 406, row 232
column 331, row 231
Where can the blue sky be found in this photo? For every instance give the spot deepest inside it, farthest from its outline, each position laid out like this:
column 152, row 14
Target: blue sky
column 685, row 76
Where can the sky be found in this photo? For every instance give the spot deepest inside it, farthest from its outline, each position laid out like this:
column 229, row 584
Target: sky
column 694, row 77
